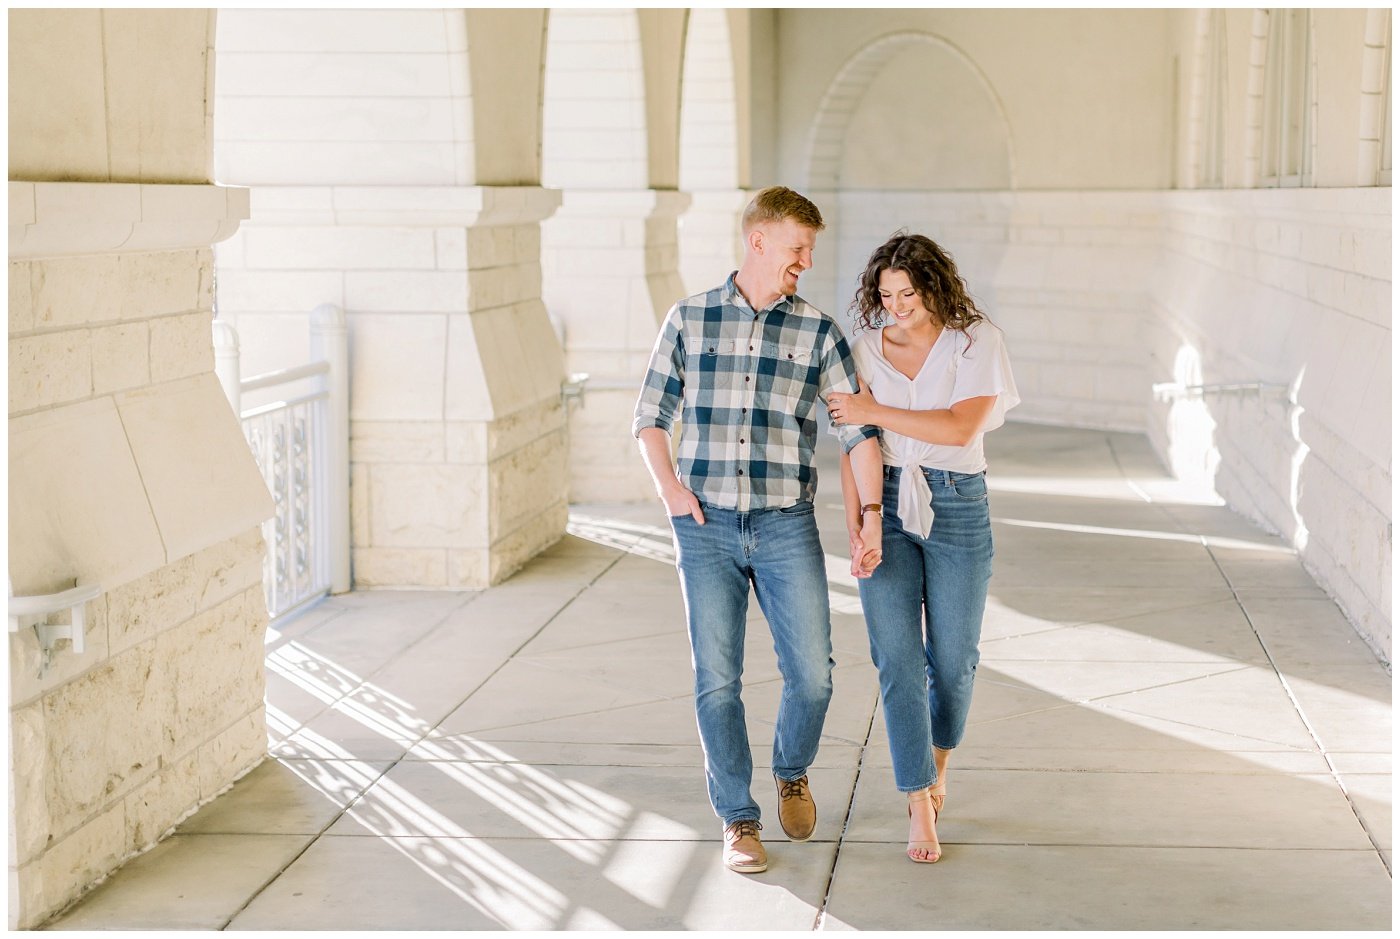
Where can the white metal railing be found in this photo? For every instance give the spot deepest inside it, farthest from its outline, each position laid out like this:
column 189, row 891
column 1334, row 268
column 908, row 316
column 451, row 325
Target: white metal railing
column 302, row 447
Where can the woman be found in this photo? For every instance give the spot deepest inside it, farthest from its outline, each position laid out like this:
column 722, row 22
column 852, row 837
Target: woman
column 935, row 377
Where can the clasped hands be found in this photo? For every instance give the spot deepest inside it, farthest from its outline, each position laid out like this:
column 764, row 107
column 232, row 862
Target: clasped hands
column 866, row 542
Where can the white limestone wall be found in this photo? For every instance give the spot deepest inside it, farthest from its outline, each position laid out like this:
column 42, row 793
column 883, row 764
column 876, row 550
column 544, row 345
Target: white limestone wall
column 321, row 97
column 1065, row 275
column 1291, row 287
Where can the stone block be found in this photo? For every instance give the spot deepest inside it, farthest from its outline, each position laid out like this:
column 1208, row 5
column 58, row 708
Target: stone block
column 154, row 131
column 225, row 569
column 232, row 753
column 469, row 569
column 163, row 283
column 21, row 298
column 469, row 397
column 419, row 505
column 71, row 865
column 529, row 539
column 339, row 248
column 522, row 428
column 527, row 479
column 385, row 351
column 181, row 346
column 406, row 291
column 399, row 567
column 359, row 505
column 469, row 441
column 50, row 369
column 259, row 72
column 452, row 248
column 214, row 667
column 78, row 507
column 266, row 291
column 319, row 31
column 58, row 113
column 160, row 600
column 105, row 731
column 31, row 676
column 154, row 807
column 120, row 357
column 187, row 444
column 299, row 117
column 28, row 780
column 396, row 442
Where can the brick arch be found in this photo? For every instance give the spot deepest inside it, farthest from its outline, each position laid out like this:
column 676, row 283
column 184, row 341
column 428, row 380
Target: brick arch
column 826, row 138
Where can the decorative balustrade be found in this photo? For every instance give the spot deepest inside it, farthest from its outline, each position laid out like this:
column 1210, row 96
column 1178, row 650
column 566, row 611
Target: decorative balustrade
column 301, row 444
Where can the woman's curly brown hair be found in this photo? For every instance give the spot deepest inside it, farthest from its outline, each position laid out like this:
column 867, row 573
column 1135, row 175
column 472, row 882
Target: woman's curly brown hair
column 933, row 275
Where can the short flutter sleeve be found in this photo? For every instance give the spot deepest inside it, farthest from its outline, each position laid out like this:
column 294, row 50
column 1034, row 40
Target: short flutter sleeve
column 983, row 368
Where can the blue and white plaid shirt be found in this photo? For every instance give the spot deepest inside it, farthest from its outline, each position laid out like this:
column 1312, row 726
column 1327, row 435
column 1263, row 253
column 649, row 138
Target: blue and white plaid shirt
column 750, row 384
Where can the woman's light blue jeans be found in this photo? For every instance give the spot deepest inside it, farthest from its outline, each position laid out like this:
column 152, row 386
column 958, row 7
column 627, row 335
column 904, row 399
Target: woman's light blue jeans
column 923, row 610
column 779, row 552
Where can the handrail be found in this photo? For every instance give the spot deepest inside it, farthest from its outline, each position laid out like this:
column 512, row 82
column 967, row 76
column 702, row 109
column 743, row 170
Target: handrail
column 45, row 604
column 284, row 375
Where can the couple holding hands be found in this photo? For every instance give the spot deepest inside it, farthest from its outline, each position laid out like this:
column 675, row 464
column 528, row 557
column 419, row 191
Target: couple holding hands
column 747, row 365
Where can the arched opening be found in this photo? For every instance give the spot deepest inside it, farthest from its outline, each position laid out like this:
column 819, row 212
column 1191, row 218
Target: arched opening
column 910, row 92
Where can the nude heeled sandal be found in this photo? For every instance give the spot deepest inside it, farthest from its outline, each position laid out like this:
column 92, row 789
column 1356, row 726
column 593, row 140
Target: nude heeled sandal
column 931, row 846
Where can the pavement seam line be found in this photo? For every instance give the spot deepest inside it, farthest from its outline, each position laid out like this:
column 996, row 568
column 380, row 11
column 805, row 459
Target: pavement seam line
column 818, row 924
column 1302, row 716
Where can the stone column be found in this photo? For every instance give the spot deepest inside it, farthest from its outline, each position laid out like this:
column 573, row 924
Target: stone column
column 458, row 446
column 127, row 471
column 711, row 244
column 611, row 261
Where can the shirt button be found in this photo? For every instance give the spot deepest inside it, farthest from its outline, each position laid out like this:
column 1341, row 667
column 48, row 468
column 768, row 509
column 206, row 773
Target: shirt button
column 741, row 472
column 741, row 439
column 750, row 348
column 746, row 378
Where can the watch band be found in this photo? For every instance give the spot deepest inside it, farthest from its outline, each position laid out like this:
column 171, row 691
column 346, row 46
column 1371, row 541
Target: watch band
column 875, row 507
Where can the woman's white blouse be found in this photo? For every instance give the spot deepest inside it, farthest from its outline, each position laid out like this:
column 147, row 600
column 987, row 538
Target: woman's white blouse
column 947, row 377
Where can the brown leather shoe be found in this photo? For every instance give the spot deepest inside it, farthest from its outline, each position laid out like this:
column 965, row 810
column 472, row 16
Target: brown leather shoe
column 796, row 810
column 743, row 851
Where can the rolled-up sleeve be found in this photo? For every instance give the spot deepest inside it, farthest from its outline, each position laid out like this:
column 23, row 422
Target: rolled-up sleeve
column 839, row 374
column 660, row 397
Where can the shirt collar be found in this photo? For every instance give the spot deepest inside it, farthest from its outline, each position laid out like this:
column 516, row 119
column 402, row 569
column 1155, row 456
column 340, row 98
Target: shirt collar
column 732, row 295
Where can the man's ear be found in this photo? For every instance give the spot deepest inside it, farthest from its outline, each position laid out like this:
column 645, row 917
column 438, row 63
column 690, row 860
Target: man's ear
column 755, row 240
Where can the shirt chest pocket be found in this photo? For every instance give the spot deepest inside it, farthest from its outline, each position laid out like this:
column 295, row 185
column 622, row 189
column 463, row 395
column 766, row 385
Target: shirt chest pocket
column 708, row 356
column 793, row 371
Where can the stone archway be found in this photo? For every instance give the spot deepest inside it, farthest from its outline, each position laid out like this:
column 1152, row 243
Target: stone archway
column 963, row 136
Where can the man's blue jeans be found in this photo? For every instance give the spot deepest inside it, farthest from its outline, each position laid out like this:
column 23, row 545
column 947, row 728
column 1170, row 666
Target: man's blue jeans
column 923, row 610
column 780, row 553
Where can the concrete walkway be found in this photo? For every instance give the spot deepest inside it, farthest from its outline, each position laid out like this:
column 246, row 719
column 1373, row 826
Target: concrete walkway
column 1173, row 728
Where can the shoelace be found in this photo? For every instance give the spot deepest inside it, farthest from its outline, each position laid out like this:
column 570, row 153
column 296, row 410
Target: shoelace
column 793, row 788
column 746, row 828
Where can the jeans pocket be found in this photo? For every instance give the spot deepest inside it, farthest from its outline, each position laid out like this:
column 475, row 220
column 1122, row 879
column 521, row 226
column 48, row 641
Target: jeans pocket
column 971, row 487
column 801, row 508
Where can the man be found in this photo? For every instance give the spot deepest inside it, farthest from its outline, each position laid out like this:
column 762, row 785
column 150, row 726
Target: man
column 747, row 362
